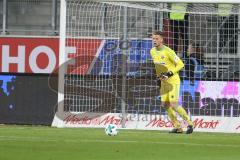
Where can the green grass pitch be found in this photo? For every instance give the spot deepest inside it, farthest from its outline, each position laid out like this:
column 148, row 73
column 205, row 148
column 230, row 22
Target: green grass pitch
column 46, row 143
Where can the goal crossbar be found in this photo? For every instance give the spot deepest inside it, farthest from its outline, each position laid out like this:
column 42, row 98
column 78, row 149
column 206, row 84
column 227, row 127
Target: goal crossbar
column 171, row 1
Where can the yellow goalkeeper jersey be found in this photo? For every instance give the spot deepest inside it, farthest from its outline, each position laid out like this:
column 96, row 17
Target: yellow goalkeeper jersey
column 165, row 60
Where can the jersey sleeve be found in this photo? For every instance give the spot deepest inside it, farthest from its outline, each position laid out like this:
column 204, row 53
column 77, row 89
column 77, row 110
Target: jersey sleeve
column 176, row 60
column 151, row 52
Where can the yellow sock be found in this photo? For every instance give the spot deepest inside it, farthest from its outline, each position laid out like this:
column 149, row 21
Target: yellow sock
column 173, row 118
column 181, row 111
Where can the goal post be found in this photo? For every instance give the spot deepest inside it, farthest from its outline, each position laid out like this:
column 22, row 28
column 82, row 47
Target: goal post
column 106, row 74
column 62, row 59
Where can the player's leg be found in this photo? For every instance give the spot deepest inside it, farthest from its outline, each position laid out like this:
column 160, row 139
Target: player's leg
column 182, row 112
column 172, row 116
column 171, row 113
column 173, row 99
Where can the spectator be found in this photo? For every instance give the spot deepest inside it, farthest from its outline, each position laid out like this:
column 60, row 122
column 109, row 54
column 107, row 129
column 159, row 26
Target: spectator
column 194, row 62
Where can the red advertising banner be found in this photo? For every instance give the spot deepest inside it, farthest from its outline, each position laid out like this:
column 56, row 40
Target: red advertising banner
column 40, row 55
column 28, row 55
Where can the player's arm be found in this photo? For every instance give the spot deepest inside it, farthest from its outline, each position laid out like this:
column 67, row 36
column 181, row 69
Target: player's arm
column 178, row 65
column 155, row 70
column 177, row 61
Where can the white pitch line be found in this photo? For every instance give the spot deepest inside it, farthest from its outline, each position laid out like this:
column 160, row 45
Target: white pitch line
column 36, row 139
column 167, row 143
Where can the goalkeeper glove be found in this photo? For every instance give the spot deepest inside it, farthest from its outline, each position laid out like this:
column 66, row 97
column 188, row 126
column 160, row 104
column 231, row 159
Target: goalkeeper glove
column 166, row 74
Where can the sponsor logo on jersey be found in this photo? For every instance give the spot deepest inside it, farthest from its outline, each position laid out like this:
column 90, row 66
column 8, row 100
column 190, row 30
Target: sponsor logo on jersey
column 160, row 63
column 176, row 58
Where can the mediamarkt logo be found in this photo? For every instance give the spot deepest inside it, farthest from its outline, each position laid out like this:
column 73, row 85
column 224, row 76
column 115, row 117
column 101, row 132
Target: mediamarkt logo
column 160, row 123
column 96, row 120
column 157, row 122
column 198, row 123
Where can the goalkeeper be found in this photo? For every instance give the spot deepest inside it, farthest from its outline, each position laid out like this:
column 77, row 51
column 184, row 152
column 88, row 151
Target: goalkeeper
column 167, row 65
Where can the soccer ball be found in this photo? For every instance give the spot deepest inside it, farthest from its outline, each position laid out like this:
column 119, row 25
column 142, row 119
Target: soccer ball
column 111, row 130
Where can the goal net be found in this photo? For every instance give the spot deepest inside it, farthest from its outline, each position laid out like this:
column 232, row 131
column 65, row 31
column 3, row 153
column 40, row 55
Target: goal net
column 108, row 68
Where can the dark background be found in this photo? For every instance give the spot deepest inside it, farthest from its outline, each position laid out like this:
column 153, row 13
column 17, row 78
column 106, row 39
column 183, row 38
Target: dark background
column 26, row 99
